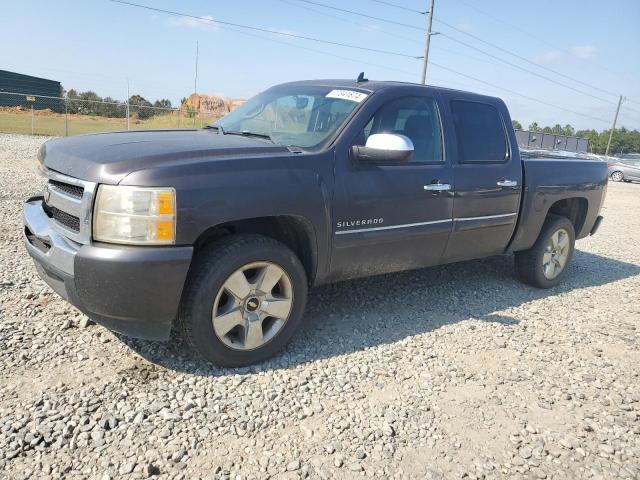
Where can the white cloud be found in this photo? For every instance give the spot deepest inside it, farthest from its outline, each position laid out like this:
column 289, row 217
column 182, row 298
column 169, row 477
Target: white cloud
column 583, row 52
column 195, row 23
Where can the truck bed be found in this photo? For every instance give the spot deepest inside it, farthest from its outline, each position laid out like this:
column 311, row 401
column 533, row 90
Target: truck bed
column 549, row 181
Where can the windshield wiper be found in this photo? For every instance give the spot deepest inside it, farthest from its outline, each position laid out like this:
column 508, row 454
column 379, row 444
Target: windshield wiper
column 245, row 133
column 216, row 127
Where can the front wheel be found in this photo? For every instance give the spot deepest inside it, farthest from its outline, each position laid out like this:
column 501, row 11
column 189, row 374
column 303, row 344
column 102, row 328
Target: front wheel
column 546, row 262
column 617, row 176
column 244, row 300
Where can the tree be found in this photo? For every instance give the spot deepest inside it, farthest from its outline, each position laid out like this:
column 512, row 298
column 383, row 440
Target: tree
column 516, row 124
column 623, row 140
column 534, row 127
column 547, row 130
column 557, row 129
column 568, row 130
column 164, row 103
column 141, row 106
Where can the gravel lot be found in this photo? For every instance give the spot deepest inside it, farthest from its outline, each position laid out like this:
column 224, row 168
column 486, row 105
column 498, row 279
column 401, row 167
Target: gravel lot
column 452, row 372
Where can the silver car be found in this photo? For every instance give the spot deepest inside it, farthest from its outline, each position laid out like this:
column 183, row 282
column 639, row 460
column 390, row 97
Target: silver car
column 625, row 170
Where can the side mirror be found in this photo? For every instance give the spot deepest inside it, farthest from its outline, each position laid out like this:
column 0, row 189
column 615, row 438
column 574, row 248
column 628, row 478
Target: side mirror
column 384, row 149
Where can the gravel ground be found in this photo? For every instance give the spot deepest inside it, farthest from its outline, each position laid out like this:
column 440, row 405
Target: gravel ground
column 451, row 372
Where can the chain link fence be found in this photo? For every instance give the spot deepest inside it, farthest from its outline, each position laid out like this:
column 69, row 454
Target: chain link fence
column 64, row 116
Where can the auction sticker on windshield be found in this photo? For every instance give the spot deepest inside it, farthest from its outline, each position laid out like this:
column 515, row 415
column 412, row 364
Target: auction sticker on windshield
column 347, row 95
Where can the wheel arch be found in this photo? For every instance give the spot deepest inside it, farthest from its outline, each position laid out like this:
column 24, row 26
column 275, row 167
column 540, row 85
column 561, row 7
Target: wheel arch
column 296, row 232
column 573, row 208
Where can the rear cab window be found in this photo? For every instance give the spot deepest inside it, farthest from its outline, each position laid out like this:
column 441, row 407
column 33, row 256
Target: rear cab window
column 480, row 132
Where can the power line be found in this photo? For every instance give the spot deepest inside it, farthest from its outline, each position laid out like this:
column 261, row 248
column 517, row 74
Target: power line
column 504, row 22
column 322, row 52
column 231, row 24
column 395, row 5
column 524, row 59
column 531, row 72
column 498, row 87
column 528, row 33
column 629, row 109
column 360, row 14
column 380, row 30
column 347, row 20
column 520, row 57
column 260, row 29
column 518, row 93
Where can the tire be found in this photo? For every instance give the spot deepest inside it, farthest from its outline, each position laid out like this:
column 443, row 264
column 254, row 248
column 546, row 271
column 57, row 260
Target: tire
column 530, row 264
column 215, row 292
column 617, row 176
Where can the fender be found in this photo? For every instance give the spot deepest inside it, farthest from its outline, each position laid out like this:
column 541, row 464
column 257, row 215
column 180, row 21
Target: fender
column 213, row 193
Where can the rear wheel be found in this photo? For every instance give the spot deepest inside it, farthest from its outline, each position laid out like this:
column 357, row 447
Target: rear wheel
column 617, row 176
column 546, row 262
column 244, row 300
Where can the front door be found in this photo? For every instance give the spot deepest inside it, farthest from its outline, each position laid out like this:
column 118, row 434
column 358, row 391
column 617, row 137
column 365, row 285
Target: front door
column 390, row 218
column 488, row 181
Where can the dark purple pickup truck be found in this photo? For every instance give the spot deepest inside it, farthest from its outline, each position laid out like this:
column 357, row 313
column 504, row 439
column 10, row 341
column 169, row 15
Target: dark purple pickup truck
column 223, row 230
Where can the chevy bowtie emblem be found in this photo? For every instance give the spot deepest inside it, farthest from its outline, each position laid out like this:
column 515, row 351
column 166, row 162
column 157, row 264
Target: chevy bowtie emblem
column 46, row 194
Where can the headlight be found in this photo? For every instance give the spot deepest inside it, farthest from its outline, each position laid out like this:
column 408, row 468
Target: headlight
column 135, row 215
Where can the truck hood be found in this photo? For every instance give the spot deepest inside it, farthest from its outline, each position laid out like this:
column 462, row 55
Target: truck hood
column 109, row 157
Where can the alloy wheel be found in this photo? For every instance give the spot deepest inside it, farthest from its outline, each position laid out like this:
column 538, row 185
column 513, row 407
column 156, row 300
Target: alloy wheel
column 556, row 254
column 252, row 306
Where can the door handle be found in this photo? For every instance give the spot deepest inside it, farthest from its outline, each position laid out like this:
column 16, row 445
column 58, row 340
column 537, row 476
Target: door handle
column 507, row 183
column 438, row 187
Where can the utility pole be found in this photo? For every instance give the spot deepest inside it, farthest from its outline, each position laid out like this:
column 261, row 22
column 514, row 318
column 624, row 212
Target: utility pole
column 427, row 41
column 195, row 81
column 615, row 120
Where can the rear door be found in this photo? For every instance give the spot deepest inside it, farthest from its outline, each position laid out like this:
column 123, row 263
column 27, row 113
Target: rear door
column 487, row 180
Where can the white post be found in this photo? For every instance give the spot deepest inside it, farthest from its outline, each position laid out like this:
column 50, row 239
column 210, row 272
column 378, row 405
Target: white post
column 128, row 126
column 66, row 115
column 195, row 80
column 32, row 120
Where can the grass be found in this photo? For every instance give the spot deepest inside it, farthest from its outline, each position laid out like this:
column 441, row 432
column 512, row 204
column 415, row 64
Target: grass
column 53, row 124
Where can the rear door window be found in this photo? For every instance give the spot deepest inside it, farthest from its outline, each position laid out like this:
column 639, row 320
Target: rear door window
column 480, row 132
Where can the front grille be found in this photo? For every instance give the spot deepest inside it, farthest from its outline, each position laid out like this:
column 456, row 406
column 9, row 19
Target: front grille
column 63, row 218
column 73, row 190
column 68, row 202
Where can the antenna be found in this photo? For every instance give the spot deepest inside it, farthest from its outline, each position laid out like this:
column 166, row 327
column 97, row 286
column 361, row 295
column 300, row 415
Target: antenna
column 361, row 78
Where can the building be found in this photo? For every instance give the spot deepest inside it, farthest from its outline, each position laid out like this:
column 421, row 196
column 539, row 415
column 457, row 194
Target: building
column 26, row 91
column 551, row 141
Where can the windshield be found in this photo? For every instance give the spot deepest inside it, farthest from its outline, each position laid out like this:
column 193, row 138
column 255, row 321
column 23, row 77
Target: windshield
column 295, row 116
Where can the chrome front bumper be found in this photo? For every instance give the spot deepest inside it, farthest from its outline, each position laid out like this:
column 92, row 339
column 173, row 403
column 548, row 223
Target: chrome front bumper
column 43, row 242
column 47, row 246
